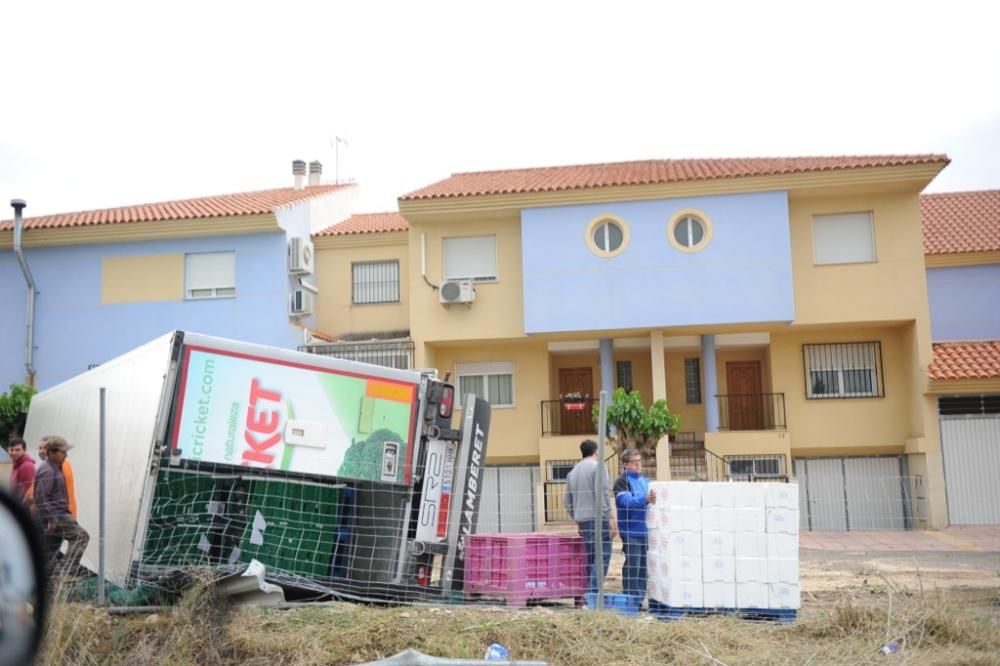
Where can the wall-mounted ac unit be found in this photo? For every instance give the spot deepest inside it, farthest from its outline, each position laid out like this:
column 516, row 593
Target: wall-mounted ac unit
column 456, row 291
column 301, row 256
column 302, row 303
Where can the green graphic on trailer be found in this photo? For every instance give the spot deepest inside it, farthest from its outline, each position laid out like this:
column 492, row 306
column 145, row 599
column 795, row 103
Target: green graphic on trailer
column 255, row 412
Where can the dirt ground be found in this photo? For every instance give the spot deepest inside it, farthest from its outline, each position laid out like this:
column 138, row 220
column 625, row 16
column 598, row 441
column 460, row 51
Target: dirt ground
column 900, row 571
column 903, row 571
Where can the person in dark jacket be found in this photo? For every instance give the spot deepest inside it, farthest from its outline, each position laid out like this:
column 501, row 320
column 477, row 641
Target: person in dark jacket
column 632, row 496
column 52, row 504
column 22, row 475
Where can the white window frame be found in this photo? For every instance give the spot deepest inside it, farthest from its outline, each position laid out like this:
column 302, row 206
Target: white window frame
column 479, row 274
column 385, row 265
column 825, row 256
column 485, row 370
column 216, row 287
column 839, row 358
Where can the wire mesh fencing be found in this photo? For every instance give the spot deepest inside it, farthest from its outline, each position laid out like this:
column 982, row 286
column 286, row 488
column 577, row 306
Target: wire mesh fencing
column 330, row 538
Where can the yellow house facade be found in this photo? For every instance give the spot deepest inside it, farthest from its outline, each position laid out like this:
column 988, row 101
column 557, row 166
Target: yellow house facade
column 779, row 306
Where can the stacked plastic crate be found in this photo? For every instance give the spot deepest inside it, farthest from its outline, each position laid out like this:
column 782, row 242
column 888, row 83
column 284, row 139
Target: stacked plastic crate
column 724, row 546
column 524, row 567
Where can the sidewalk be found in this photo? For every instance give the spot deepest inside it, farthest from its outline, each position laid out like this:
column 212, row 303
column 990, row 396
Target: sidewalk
column 980, row 539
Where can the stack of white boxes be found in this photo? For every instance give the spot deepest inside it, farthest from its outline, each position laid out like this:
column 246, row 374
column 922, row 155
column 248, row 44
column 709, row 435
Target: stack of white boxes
column 724, row 545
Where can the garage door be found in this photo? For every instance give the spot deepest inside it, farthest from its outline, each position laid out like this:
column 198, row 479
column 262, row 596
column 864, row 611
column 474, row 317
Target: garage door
column 852, row 493
column 507, row 503
column 971, row 447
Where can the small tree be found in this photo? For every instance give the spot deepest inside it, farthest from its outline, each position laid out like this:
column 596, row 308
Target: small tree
column 634, row 425
column 14, row 411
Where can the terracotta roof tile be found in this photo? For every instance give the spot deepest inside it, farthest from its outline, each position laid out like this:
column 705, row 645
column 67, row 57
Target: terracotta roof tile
column 552, row 179
column 221, row 205
column 965, row 360
column 961, row 222
column 367, row 223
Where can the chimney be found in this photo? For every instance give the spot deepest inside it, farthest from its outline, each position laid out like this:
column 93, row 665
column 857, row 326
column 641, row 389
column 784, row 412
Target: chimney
column 299, row 171
column 315, row 171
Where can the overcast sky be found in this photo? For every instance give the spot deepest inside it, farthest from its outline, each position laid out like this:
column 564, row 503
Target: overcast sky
column 109, row 104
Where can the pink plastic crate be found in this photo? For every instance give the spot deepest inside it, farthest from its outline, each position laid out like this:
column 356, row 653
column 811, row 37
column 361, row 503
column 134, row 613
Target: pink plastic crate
column 519, row 567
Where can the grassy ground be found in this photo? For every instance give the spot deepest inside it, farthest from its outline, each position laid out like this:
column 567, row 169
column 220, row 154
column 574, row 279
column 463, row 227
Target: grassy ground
column 843, row 627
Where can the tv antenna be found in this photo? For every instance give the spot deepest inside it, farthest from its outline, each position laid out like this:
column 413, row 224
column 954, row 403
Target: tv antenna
column 335, row 142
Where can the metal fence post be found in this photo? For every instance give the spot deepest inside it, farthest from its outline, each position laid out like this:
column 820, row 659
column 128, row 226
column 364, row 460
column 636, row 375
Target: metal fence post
column 101, row 506
column 602, row 491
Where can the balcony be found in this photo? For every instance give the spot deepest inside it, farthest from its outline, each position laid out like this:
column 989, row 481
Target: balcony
column 568, row 417
column 751, row 411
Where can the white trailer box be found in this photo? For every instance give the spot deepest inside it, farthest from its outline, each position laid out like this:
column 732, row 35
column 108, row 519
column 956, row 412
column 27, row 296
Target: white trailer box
column 241, row 430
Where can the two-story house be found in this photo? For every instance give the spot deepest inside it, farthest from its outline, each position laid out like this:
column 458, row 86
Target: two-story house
column 962, row 246
column 778, row 305
column 104, row 281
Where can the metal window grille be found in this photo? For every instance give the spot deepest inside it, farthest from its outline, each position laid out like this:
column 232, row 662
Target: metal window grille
column 390, row 353
column 375, row 282
column 756, row 466
column 624, row 373
column 558, row 470
column 844, row 370
column 969, row 405
column 692, row 380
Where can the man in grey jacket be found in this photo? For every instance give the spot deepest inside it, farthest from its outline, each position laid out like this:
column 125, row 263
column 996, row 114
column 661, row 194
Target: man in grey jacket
column 581, row 500
column 52, row 503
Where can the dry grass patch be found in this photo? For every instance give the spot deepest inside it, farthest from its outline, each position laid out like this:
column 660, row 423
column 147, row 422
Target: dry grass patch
column 839, row 628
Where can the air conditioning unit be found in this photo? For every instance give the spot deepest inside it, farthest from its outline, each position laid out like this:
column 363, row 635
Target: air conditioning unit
column 302, row 302
column 301, row 256
column 456, row 291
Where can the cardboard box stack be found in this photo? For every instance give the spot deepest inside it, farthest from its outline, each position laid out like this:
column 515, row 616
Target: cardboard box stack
column 724, row 545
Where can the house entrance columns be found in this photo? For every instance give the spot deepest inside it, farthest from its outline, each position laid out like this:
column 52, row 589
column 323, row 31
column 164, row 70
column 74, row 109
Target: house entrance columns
column 710, row 381
column 658, row 366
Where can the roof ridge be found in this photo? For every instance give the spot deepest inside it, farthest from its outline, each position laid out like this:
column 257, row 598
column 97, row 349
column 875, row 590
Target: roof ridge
column 659, row 160
column 386, row 212
column 947, row 194
column 173, row 202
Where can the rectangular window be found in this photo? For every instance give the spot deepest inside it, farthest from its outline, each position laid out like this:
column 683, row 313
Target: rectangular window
column 624, row 374
column 845, row 238
column 756, row 466
column 375, row 282
column 210, row 275
column 470, row 258
column 560, row 469
column 494, row 382
column 849, row 370
column 692, row 380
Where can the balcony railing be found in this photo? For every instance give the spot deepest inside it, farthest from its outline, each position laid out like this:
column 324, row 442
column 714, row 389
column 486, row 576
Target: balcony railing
column 751, row 411
column 568, row 417
column 690, row 460
column 396, row 353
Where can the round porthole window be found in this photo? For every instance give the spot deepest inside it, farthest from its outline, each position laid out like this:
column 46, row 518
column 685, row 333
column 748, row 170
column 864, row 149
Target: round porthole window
column 607, row 235
column 689, row 231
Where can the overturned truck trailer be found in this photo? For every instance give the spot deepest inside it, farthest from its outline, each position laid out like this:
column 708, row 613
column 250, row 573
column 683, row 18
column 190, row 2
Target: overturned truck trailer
column 339, row 477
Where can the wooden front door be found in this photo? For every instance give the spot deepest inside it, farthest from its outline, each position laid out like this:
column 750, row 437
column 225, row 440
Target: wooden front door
column 745, row 395
column 572, row 419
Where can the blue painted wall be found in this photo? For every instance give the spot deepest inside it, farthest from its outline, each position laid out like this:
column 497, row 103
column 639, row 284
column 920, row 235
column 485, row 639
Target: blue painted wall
column 743, row 275
column 73, row 329
column 964, row 302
